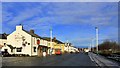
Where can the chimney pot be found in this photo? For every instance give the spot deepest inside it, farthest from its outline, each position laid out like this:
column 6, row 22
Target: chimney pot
column 19, row 27
column 54, row 38
column 32, row 31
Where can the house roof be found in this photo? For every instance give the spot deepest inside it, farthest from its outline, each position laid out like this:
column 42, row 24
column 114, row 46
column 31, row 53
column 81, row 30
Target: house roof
column 32, row 34
column 3, row 36
column 46, row 38
column 54, row 40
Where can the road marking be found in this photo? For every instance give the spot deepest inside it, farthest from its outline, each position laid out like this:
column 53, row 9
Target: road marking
column 90, row 57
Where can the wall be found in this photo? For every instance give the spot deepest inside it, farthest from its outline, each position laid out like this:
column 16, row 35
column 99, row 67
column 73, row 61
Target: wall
column 15, row 39
column 2, row 41
column 34, row 44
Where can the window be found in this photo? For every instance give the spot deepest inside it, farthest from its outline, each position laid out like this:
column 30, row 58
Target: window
column 43, row 49
column 11, row 50
column 25, row 42
column 4, row 43
column 19, row 49
column 38, row 42
column 28, row 43
column 6, row 50
column 34, row 49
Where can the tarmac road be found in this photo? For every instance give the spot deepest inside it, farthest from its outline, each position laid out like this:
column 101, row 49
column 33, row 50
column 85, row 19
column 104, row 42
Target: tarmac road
column 80, row 59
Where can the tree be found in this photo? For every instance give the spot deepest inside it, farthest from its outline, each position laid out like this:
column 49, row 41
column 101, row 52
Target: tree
column 108, row 45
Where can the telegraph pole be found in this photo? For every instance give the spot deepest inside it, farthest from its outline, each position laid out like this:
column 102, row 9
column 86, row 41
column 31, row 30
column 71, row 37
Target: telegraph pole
column 96, row 39
column 90, row 47
column 92, row 44
column 68, row 45
column 51, row 41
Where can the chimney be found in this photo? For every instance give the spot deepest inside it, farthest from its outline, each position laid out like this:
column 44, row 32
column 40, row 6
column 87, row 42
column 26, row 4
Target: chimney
column 5, row 34
column 19, row 27
column 54, row 38
column 32, row 31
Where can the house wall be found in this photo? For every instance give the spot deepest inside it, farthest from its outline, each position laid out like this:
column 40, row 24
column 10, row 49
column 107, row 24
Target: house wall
column 67, row 47
column 34, row 44
column 8, row 49
column 2, row 41
column 48, row 44
column 51, row 46
column 60, row 46
column 15, row 39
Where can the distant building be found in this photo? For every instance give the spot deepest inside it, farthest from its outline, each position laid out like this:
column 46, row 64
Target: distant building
column 70, row 48
column 56, row 44
column 3, row 38
column 66, row 48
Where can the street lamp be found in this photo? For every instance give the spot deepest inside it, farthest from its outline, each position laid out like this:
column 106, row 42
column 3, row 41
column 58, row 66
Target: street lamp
column 92, row 44
column 51, row 41
column 68, row 45
column 96, row 39
column 90, row 47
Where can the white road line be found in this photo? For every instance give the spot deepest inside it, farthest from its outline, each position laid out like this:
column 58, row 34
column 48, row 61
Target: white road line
column 90, row 57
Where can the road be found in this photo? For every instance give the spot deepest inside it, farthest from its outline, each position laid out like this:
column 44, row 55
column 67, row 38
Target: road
column 80, row 59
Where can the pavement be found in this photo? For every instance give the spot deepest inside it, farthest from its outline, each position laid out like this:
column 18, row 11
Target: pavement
column 80, row 59
column 101, row 61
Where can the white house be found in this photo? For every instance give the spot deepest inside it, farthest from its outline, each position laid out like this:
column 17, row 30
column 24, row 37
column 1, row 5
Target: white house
column 70, row 48
column 25, row 42
column 3, row 41
column 66, row 47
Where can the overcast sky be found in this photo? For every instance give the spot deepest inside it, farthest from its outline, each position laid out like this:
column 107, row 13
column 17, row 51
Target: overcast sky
column 72, row 21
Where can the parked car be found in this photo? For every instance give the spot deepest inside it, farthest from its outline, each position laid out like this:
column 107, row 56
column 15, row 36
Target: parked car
column 58, row 51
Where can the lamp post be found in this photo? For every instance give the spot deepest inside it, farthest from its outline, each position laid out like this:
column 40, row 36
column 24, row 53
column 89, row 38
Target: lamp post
column 96, row 39
column 68, row 46
column 90, row 47
column 51, row 41
column 92, row 44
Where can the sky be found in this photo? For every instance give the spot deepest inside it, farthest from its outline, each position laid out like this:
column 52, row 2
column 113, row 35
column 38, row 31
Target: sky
column 72, row 21
column 60, row 0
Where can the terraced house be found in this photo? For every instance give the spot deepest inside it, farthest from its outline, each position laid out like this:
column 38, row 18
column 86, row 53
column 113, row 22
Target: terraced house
column 22, row 42
column 56, row 44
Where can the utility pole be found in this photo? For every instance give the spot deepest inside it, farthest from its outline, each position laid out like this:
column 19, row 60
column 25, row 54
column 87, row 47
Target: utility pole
column 51, row 41
column 90, row 47
column 92, row 44
column 68, row 45
column 96, row 39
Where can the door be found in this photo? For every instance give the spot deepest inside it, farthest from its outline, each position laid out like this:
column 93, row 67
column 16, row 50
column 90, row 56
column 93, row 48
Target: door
column 6, row 50
column 39, row 50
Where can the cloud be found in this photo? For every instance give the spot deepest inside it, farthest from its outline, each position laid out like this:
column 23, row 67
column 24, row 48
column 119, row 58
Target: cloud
column 60, row 0
column 61, row 13
column 42, row 16
column 23, row 11
column 24, row 15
